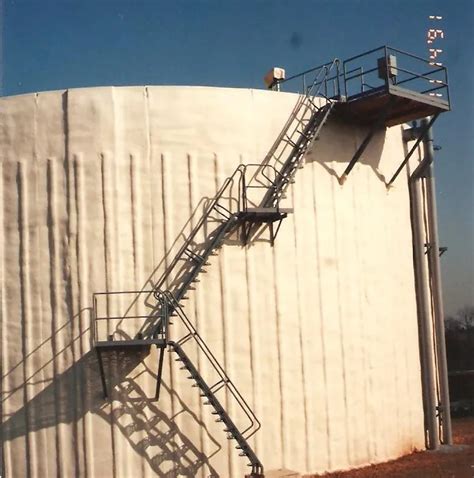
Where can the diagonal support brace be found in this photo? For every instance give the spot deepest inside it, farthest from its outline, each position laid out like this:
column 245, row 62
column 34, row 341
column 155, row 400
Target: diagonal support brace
column 274, row 232
column 413, row 149
column 360, row 150
column 159, row 373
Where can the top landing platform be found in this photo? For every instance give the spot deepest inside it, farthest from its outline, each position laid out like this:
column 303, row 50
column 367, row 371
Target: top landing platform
column 391, row 87
column 390, row 105
column 383, row 86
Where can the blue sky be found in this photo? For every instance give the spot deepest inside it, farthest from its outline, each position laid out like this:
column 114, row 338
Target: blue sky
column 55, row 44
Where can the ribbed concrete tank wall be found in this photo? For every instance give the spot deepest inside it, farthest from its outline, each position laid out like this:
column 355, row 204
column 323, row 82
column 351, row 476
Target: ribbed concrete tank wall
column 319, row 332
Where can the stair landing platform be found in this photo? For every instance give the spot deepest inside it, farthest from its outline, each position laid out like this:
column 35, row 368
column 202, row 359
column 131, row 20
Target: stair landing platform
column 131, row 344
column 264, row 214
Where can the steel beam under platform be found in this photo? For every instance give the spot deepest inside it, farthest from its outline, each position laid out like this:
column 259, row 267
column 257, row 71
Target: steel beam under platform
column 404, row 105
column 132, row 344
column 262, row 215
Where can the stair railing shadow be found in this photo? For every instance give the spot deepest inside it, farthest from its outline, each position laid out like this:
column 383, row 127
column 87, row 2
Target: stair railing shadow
column 150, row 432
column 43, row 349
column 160, row 440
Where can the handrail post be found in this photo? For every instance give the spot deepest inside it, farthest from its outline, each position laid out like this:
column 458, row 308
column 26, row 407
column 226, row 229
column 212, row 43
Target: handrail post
column 166, row 319
column 244, row 190
column 345, row 78
column 447, row 87
column 326, row 81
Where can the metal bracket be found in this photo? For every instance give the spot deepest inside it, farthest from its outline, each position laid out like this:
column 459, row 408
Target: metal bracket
column 273, row 232
column 441, row 250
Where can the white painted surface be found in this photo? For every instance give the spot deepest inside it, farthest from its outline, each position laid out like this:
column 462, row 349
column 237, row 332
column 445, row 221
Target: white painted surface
column 319, row 333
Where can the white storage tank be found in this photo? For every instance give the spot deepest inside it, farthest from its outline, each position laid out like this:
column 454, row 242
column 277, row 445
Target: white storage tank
column 318, row 331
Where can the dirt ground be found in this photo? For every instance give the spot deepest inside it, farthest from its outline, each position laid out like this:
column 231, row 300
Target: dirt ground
column 456, row 462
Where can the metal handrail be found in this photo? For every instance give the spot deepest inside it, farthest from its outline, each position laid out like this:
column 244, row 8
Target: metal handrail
column 347, row 75
column 433, row 89
column 302, row 107
column 347, row 60
column 161, row 313
column 319, row 69
column 386, row 47
column 168, row 304
column 306, row 104
column 363, row 72
column 176, row 306
column 212, row 207
column 261, row 170
column 423, row 76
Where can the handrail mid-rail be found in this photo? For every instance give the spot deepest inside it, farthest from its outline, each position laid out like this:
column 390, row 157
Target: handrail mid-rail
column 225, row 381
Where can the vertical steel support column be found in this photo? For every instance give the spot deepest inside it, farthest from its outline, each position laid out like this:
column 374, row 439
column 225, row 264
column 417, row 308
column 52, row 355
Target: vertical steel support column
column 102, row 372
column 159, row 372
column 436, row 289
column 424, row 305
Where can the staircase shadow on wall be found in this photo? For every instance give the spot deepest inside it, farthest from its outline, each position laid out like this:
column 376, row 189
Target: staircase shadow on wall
column 70, row 395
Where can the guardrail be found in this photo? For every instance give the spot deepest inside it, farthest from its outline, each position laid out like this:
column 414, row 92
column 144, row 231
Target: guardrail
column 372, row 71
column 382, row 67
column 315, row 79
column 224, row 380
column 123, row 315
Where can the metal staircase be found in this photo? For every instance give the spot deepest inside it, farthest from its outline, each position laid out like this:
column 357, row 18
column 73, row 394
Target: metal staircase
column 260, row 189
column 273, row 176
column 209, row 392
column 303, row 136
column 252, row 197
